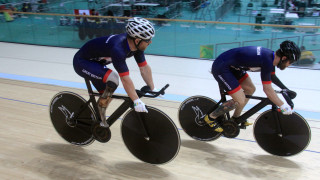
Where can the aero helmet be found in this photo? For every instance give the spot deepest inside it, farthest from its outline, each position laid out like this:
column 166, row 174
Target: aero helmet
column 290, row 50
column 138, row 27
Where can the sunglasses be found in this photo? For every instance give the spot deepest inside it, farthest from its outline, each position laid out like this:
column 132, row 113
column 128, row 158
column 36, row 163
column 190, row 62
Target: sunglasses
column 147, row 41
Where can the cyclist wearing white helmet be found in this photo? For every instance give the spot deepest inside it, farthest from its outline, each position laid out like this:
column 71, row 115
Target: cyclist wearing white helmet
column 139, row 28
column 91, row 62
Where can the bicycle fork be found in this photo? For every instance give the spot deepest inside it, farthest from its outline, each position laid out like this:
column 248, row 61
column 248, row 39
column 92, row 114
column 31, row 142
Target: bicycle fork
column 277, row 121
column 142, row 117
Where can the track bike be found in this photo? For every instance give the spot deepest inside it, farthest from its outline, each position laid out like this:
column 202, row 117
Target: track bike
column 151, row 137
column 277, row 134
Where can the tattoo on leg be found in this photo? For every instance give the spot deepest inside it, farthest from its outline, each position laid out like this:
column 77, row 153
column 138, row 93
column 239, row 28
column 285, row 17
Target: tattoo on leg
column 225, row 107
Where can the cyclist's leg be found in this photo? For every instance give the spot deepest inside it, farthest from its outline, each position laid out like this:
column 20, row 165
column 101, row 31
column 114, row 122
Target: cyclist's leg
column 224, row 108
column 240, row 98
column 111, row 83
column 230, row 83
column 248, row 88
column 228, row 80
column 102, row 78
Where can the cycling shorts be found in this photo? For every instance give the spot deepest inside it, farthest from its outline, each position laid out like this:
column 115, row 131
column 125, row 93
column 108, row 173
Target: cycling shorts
column 229, row 78
column 96, row 72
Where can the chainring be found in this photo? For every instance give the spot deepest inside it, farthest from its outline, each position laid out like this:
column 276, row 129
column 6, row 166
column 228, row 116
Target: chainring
column 101, row 134
column 230, row 129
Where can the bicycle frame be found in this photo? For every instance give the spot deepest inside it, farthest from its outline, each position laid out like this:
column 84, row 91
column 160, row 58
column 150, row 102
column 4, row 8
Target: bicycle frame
column 114, row 116
column 264, row 102
column 120, row 110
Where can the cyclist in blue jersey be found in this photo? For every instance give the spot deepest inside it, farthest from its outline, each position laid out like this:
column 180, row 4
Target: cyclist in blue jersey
column 229, row 69
column 91, row 62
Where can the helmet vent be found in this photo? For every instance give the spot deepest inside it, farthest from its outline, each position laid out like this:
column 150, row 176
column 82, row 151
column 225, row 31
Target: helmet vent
column 140, row 28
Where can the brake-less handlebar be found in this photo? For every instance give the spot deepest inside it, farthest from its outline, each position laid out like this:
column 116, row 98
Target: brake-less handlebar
column 288, row 95
column 146, row 92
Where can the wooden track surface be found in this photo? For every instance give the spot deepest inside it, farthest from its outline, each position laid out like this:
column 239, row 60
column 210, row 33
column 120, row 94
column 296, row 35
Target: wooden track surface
column 31, row 148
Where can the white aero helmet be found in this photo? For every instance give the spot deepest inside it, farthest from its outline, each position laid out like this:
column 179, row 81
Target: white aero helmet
column 138, row 27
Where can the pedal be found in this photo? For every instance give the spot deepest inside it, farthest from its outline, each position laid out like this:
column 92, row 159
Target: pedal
column 101, row 133
column 244, row 125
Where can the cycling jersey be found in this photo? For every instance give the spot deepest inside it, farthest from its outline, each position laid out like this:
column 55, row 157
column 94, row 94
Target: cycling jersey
column 229, row 69
column 91, row 60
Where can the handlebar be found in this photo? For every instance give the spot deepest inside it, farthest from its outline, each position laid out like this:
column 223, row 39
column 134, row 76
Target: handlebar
column 146, row 89
column 288, row 95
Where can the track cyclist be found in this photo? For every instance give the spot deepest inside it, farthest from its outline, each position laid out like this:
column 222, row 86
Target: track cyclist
column 91, row 61
column 229, row 69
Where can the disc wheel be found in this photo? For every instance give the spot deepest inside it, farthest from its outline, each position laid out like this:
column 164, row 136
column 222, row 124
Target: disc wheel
column 151, row 137
column 63, row 107
column 191, row 113
column 282, row 135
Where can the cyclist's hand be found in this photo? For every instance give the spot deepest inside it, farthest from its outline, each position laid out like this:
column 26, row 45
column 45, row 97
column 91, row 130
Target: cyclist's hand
column 286, row 109
column 139, row 106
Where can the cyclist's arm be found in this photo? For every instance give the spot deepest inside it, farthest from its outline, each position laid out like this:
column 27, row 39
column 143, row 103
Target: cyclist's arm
column 121, row 66
column 271, row 94
column 146, row 74
column 129, row 87
column 277, row 82
column 145, row 69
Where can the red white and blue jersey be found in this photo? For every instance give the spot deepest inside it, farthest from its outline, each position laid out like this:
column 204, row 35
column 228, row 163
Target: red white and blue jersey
column 115, row 49
column 91, row 61
column 227, row 67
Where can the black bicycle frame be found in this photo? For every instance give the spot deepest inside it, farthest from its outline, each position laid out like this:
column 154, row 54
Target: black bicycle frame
column 115, row 115
column 264, row 102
